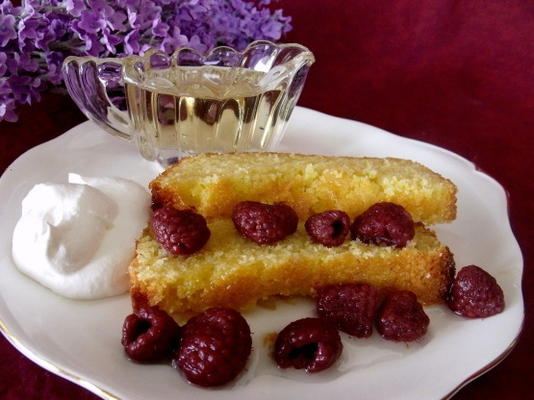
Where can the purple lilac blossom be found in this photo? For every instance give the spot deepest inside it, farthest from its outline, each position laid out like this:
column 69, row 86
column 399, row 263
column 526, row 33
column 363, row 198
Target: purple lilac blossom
column 36, row 37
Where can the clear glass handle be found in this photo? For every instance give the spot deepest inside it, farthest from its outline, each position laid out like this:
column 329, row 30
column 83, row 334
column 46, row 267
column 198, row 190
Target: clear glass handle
column 97, row 88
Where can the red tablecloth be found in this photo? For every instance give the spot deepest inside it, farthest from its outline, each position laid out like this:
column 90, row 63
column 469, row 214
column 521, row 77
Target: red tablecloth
column 459, row 74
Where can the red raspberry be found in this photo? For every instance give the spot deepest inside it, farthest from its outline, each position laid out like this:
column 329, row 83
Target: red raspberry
column 328, row 228
column 264, row 223
column 180, row 231
column 215, row 347
column 475, row 294
column 150, row 335
column 384, row 224
column 401, row 318
column 159, row 200
column 352, row 307
column 310, row 343
column 155, row 204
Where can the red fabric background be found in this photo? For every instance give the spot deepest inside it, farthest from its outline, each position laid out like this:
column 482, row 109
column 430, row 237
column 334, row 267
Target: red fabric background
column 458, row 74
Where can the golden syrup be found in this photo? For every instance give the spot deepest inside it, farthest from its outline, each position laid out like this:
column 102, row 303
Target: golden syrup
column 190, row 117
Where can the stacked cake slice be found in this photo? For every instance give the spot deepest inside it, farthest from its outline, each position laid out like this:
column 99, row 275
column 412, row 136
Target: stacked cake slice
column 230, row 270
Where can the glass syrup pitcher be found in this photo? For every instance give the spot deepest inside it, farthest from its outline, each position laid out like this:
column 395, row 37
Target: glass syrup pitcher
column 188, row 103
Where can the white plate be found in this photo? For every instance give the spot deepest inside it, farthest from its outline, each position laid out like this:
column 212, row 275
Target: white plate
column 79, row 340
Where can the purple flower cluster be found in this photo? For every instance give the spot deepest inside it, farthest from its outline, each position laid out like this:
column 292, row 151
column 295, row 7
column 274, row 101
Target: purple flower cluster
column 37, row 36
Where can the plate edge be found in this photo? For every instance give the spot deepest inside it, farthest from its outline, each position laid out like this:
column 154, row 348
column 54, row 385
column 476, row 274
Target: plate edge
column 94, row 388
column 488, row 367
column 49, row 366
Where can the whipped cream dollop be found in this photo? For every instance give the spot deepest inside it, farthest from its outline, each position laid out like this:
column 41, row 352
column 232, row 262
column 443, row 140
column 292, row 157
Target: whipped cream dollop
column 78, row 238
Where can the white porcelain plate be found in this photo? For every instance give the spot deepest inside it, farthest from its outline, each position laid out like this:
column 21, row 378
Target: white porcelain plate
column 80, row 340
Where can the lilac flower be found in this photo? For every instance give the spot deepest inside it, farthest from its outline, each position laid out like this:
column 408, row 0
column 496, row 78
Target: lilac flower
column 74, row 7
column 117, row 20
column 3, row 66
column 90, row 22
column 7, row 8
column 54, row 60
column 131, row 42
column 7, row 29
column 37, row 36
column 174, row 41
column 25, row 88
column 26, row 62
column 7, row 110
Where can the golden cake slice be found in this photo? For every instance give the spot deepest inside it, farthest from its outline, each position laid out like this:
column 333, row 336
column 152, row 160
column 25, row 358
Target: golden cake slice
column 235, row 272
column 212, row 184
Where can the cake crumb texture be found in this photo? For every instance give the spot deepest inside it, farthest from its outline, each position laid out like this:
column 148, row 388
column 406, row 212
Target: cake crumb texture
column 212, row 184
column 232, row 271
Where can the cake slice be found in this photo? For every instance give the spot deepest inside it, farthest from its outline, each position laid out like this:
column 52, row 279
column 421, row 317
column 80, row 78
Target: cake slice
column 232, row 271
column 212, row 184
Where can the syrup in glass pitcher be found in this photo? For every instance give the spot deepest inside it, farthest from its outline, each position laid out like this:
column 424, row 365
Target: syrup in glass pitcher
column 188, row 103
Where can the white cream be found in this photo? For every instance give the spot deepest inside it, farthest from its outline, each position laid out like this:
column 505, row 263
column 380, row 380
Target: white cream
column 78, row 238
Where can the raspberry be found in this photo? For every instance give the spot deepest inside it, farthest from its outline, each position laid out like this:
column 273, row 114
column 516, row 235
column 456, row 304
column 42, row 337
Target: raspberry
column 180, row 231
column 475, row 294
column 310, row 343
column 401, row 318
column 328, row 228
column 352, row 307
column 155, row 204
column 159, row 200
column 149, row 335
column 264, row 223
column 384, row 224
column 215, row 347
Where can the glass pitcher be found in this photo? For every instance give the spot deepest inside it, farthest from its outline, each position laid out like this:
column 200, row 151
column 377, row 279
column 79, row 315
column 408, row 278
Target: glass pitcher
column 188, row 103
